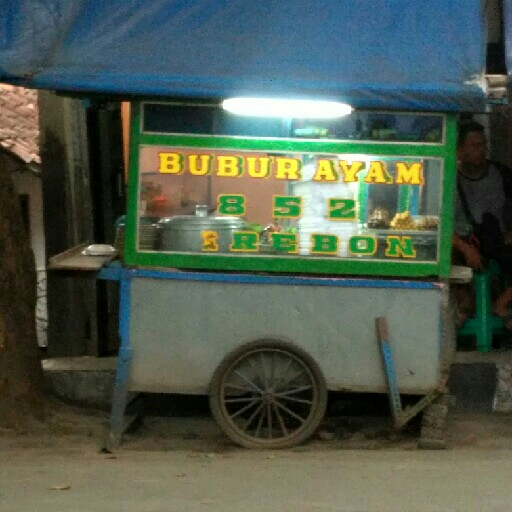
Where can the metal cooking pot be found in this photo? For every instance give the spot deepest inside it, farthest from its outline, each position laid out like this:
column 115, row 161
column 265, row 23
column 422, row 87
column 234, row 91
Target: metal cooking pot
column 183, row 232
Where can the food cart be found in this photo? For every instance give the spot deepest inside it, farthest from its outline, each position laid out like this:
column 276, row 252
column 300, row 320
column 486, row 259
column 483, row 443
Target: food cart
column 266, row 261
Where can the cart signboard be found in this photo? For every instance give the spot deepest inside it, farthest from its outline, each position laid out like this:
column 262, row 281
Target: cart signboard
column 368, row 194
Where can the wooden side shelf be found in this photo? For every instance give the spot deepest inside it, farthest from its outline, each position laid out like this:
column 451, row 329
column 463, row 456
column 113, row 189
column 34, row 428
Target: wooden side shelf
column 73, row 259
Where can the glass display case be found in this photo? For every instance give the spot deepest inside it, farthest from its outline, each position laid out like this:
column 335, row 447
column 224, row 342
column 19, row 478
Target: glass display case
column 369, row 193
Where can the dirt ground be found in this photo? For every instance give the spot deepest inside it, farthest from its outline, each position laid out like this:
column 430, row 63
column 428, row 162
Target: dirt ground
column 185, row 464
column 168, row 430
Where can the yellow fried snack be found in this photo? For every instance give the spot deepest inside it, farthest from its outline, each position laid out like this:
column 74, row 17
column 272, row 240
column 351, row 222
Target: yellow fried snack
column 427, row 223
column 403, row 221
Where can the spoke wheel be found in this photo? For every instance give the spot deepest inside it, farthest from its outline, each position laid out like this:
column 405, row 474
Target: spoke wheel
column 268, row 394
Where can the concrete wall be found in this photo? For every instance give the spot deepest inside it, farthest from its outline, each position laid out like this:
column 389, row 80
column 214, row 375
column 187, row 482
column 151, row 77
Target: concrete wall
column 82, row 171
column 68, row 221
column 482, row 382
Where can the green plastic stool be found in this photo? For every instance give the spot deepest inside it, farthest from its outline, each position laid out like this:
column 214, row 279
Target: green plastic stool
column 484, row 325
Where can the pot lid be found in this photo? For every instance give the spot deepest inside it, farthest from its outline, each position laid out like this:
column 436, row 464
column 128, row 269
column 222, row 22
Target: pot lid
column 197, row 222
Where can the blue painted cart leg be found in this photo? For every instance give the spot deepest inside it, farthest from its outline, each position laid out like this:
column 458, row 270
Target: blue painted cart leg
column 402, row 416
column 395, row 402
column 120, row 397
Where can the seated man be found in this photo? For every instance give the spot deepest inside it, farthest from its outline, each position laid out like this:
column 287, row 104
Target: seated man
column 483, row 199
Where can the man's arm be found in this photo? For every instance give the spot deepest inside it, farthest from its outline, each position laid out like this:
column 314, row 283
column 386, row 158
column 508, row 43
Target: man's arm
column 469, row 251
column 506, row 179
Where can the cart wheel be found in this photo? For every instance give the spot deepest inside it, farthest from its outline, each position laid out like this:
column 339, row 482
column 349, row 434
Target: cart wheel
column 268, row 394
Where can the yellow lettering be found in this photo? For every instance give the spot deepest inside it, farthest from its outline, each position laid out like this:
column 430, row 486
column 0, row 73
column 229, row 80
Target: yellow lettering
column 245, row 241
column 258, row 167
column 170, row 163
column 325, row 171
column 324, row 244
column 362, row 245
column 285, row 242
column 210, row 241
column 201, row 168
column 341, row 209
column 410, row 174
column 351, row 171
column 400, row 246
column 229, row 166
column 377, row 173
column 287, row 169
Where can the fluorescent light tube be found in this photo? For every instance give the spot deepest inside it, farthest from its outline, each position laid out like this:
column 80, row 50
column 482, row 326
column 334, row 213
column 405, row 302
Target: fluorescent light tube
column 295, row 109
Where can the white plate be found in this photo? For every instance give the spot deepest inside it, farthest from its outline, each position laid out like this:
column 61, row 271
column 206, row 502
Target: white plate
column 99, row 250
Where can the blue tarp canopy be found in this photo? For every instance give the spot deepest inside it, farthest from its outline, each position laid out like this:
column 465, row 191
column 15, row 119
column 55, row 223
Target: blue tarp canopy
column 400, row 54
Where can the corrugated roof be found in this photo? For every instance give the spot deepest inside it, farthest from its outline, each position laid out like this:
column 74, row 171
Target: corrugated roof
column 19, row 122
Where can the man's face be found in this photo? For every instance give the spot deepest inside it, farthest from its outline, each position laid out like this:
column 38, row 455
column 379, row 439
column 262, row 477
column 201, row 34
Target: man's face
column 473, row 151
